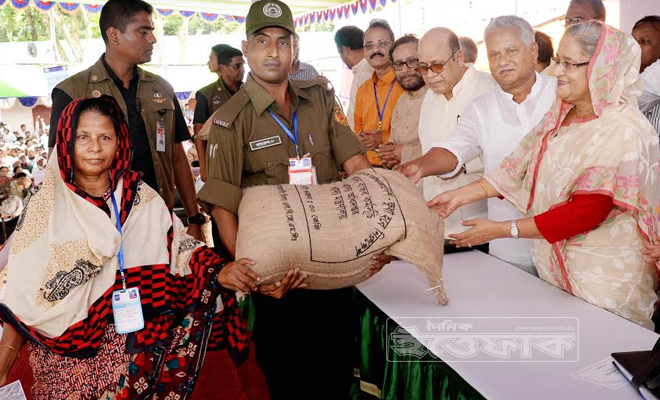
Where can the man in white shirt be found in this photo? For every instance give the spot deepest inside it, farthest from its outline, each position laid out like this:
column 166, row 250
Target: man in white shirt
column 493, row 124
column 350, row 45
column 451, row 90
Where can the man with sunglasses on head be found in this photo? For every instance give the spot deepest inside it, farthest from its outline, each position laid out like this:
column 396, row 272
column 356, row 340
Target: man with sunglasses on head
column 403, row 144
column 377, row 97
column 228, row 63
column 494, row 123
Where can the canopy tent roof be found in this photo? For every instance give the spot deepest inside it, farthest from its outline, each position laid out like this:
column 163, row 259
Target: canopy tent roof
column 233, row 7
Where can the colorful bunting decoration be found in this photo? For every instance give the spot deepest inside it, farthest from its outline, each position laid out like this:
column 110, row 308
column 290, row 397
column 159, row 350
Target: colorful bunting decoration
column 330, row 14
column 93, row 8
column 20, row 3
column 340, row 12
column 209, row 17
column 69, row 7
column 44, row 5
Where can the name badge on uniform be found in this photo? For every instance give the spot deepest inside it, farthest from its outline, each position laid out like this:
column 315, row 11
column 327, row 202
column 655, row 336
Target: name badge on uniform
column 301, row 171
column 160, row 136
column 264, row 143
column 127, row 310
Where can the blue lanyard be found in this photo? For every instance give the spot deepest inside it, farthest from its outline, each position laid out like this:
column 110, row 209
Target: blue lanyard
column 293, row 136
column 120, row 256
column 382, row 114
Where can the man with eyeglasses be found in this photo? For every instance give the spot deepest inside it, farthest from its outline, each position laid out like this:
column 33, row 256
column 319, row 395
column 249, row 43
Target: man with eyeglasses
column 583, row 11
column 453, row 85
column 377, row 97
column 403, row 144
column 228, row 63
column 494, row 123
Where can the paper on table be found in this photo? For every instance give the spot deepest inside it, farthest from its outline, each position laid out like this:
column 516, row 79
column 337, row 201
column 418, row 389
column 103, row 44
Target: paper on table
column 13, row 391
column 603, row 373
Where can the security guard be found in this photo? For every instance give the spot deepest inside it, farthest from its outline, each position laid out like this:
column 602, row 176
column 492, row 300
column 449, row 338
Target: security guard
column 154, row 117
column 304, row 340
column 229, row 64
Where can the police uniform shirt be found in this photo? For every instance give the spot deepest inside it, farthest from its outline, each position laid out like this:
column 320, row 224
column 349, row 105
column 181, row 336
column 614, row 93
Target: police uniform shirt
column 246, row 146
column 142, row 157
column 218, row 92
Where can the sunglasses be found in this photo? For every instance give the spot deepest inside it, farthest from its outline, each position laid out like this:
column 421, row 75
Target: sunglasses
column 436, row 68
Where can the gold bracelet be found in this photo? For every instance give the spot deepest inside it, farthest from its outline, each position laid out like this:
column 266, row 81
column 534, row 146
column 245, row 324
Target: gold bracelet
column 18, row 354
column 483, row 187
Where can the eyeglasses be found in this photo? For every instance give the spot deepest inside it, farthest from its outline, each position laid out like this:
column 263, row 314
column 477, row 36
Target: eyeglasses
column 380, row 44
column 568, row 65
column 412, row 63
column 436, row 68
column 576, row 20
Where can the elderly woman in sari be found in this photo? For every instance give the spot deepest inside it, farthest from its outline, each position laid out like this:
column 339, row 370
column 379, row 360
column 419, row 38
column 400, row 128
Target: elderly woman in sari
column 587, row 176
column 114, row 299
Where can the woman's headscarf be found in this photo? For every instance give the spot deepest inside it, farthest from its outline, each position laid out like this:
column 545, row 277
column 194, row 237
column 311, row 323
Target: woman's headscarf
column 613, row 75
column 65, row 140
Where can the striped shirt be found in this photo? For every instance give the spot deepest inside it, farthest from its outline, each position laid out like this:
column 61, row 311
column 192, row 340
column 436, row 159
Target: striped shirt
column 305, row 72
column 653, row 115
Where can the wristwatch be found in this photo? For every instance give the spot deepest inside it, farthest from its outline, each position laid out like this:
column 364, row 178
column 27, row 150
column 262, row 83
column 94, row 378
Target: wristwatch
column 514, row 230
column 197, row 219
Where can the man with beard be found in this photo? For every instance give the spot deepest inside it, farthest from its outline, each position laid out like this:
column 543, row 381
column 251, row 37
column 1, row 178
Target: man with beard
column 377, row 97
column 493, row 124
column 155, row 120
column 304, row 340
column 403, row 145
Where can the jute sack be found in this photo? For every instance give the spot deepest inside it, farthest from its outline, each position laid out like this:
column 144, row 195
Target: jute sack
column 331, row 231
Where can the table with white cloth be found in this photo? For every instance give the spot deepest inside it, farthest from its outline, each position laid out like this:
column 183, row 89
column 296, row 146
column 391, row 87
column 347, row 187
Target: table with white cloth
column 481, row 286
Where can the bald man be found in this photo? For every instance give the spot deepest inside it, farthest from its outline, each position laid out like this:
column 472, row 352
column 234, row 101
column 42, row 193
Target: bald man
column 450, row 91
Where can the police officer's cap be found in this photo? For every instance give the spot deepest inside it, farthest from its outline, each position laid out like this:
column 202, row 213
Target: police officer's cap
column 266, row 13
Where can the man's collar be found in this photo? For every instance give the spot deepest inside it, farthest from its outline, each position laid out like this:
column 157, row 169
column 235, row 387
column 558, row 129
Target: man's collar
column 261, row 99
column 467, row 75
column 101, row 71
column 387, row 78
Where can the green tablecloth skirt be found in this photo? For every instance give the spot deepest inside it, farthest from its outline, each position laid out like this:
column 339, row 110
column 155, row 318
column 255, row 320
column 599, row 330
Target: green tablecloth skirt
column 400, row 377
column 382, row 373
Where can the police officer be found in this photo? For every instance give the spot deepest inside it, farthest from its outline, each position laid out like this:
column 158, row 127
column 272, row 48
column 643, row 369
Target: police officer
column 303, row 341
column 229, row 64
column 156, row 123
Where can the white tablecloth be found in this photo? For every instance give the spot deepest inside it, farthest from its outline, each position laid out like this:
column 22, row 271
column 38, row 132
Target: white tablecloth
column 479, row 285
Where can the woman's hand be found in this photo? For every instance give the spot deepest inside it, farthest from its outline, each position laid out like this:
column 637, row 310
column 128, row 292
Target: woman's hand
column 238, row 276
column 482, row 231
column 651, row 250
column 293, row 280
column 446, row 203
